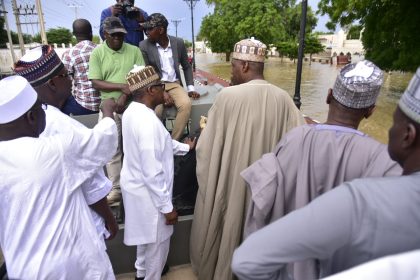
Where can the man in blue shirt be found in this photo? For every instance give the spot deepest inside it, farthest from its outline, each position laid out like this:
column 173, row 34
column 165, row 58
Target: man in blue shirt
column 130, row 20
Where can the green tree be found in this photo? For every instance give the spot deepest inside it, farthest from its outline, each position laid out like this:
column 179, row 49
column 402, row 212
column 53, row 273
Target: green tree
column 59, row 35
column 96, row 39
column 233, row 20
column 37, row 38
column 312, row 46
column 291, row 20
column 187, row 44
column 354, row 32
column 3, row 34
column 288, row 49
column 390, row 36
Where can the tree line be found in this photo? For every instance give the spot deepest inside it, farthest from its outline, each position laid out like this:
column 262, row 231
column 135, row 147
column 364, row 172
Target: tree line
column 59, row 35
column 274, row 22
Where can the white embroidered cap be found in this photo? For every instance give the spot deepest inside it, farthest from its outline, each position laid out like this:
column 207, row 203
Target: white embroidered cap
column 358, row 85
column 410, row 100
column 249, row 50
column 17, row 96
column 141, row 76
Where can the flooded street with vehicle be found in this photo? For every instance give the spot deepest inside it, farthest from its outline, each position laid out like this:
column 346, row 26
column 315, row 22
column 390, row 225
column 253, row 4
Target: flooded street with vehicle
column 316, row 80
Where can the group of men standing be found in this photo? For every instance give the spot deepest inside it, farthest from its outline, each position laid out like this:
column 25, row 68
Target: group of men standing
column 262, row 173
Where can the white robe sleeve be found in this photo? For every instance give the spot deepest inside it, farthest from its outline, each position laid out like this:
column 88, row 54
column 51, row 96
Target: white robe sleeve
column 86, row 151
column 312, row 232
column 180, row 149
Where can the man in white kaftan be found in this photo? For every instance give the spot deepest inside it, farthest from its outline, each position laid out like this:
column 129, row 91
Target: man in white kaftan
column 36, row 65
column 147, row 174
column 355, row 222
column 46, row 229
column 95, row 188
column 245, row 121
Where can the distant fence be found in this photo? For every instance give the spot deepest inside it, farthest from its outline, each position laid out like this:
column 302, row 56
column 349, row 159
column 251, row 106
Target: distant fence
column 6, row 61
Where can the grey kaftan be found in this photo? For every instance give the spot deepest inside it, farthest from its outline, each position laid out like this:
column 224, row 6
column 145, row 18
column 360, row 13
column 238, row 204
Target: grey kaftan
column 308, row 161
column 244, row 122
column 356, row 222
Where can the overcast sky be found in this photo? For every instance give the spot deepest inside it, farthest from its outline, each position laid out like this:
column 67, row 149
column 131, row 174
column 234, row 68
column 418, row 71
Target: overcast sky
column 59, row 13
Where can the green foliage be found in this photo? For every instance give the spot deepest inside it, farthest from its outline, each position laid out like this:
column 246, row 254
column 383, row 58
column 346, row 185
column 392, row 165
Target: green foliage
column 59, row 35
column 4, row 39
column 292, row 18
column 288, row 49
column 37, row 38
column 313, row 45
column 270, row 21
column 3, row 34
column 390, row 36
column 354, row 32
column 234, row 20
column 187, row 44
column 96, row 39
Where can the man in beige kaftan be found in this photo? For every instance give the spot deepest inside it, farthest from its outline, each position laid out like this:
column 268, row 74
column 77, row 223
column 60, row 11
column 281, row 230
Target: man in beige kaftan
column 245, row 121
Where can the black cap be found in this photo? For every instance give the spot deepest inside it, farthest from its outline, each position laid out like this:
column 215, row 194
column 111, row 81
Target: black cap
column 113, row 25
column 155, row 20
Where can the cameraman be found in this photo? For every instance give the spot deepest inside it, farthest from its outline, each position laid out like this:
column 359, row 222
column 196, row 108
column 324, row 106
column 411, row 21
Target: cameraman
column 130, row 16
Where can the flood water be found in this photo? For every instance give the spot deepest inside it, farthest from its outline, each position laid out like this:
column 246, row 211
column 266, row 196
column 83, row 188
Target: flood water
column 316, row 80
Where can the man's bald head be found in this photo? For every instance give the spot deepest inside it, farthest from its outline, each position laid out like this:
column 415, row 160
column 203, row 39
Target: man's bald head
column 82, row 29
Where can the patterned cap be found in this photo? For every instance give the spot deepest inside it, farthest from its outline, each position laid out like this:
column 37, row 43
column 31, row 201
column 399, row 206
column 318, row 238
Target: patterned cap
column 358, row 85
column 39, row 65
column 113, row 25
column 16, row 98
column 155, row 20
column 249, row 50
column 141, row 76
column 410, row 100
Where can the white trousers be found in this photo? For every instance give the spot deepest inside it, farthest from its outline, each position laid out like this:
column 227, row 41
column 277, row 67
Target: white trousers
column 151, row 259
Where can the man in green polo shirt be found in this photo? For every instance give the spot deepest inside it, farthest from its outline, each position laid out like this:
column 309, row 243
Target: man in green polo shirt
column 108, row 66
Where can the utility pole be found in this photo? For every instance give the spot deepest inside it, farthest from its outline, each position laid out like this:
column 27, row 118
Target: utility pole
column 41, row 22
column 75, row 6
column 9, row 36
column 18, row 27
column 176, row 23
column 296, row 97
column 191, row 4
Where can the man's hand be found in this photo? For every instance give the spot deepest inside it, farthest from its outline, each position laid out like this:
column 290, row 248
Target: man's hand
column 112, row 227
column 125, row 89
column 191, row 142
column 194, row 95
column 168, row 100
column 117, row 10
column 171, row 217
column 108, row 107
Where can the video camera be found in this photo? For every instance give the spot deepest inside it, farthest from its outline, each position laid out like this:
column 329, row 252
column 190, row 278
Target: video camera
column 128, row 9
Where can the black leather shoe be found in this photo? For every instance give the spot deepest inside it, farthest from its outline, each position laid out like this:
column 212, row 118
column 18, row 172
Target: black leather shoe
column 165, row 269
column 139, row 278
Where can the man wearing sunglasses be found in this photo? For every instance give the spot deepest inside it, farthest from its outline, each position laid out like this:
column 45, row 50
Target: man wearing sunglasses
column 108, row 65
column 147, row 174
column 165, row 53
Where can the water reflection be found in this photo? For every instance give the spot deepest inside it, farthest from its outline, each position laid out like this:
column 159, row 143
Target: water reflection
column 316, row 80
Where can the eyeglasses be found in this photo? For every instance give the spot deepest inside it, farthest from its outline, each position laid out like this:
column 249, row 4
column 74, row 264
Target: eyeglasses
column 161, row 85
column 63, row 75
